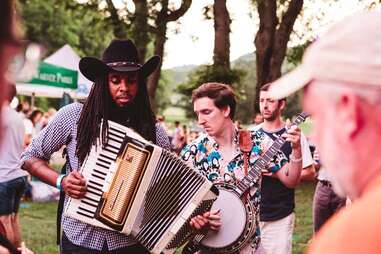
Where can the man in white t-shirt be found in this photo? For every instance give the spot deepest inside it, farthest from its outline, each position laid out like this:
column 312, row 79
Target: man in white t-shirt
column 277, row 215
column 12, row 177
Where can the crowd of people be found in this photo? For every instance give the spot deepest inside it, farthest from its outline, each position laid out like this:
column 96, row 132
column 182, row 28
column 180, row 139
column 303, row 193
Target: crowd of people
column 341, row 78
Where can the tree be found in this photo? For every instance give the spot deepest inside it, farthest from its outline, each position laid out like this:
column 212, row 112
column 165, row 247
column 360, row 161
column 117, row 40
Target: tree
column 276, row 22
column 272, row 38
column 54, row 25
column 221, row 53
column 162, row 17
column 220, row 70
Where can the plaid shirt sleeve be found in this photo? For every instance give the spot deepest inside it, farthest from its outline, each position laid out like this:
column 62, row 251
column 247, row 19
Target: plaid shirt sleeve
column 162, row 139
column 56, row 134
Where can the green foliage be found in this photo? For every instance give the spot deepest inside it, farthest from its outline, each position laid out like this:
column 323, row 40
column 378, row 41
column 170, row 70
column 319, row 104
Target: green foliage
column 164, row 91
column 245, row 109
column 208, row 73
column 42, row 103
column 293, row 106
column 54, row 24
column 294, row 55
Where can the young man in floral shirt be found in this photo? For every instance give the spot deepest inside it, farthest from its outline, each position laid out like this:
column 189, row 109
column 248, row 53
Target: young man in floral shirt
column 216, row 153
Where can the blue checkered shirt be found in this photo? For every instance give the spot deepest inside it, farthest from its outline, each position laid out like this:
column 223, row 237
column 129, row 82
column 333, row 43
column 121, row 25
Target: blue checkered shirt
column 62, row 130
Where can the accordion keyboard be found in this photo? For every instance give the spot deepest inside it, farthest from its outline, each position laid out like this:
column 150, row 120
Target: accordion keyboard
column 99, row 164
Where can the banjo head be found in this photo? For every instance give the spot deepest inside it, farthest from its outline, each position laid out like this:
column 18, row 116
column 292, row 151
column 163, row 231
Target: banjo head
column 233, row 219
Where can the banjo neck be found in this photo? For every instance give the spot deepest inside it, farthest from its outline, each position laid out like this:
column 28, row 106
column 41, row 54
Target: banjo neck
column 244, row 185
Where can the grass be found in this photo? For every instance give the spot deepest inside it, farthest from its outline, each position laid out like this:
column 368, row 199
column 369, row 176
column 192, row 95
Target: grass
column 38, row 223
column 303, row 222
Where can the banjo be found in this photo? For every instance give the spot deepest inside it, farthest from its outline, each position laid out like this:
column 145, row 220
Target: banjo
column 237, row 212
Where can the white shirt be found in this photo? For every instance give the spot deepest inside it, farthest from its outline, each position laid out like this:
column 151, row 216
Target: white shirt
column 11, row 146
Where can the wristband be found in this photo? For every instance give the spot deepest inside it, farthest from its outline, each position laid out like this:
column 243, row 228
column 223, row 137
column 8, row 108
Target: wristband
column 59, row 181
column 295, row 160
column 274, row 169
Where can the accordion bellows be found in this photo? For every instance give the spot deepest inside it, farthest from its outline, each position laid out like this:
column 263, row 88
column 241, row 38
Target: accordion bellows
column 139, row 189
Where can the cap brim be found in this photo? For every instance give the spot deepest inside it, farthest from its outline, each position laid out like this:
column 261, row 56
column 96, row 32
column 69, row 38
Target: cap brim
column 290, row 83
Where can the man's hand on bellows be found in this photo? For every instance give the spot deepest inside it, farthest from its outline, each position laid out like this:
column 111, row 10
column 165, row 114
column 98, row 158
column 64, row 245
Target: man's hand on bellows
column 74, row 185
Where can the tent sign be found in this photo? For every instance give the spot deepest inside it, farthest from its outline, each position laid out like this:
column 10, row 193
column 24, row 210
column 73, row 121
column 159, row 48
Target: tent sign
column 52, row 75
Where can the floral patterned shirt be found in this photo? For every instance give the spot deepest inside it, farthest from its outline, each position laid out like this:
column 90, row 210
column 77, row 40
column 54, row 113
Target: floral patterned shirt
column 203, row 154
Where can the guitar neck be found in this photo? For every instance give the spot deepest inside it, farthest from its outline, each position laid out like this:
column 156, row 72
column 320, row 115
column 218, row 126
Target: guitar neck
column 262, row 162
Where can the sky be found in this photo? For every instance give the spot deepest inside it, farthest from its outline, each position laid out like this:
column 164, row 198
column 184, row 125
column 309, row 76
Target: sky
column 193, row 42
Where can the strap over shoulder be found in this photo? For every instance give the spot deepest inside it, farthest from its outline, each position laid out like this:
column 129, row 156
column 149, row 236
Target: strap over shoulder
column 245, row 143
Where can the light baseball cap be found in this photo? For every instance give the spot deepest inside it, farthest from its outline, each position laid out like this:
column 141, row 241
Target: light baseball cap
column 349, row 52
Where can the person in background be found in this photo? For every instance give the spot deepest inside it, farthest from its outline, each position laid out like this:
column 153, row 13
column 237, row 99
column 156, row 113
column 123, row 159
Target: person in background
column 278, row 197
column 13, row 180
column 51, row 113
column 161, row 121
column 31, row 123
column 237, row 124
column 257, row 119
column 9, row 44
column 186, row 135
column 341, row 79
column 177, row 138
column 326, row 202
column 193, row 134
column 35, row 117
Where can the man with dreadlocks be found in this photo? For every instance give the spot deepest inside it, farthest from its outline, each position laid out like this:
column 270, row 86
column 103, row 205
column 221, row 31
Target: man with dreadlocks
column 119, row 94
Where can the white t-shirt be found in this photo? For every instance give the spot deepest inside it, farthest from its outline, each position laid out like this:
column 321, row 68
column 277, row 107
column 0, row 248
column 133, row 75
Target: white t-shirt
column 29, row 128
column 11, row 146
column 307, row 159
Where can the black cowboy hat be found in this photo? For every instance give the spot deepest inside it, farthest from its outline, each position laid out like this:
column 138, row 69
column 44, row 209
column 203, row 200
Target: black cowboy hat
column 119, row 56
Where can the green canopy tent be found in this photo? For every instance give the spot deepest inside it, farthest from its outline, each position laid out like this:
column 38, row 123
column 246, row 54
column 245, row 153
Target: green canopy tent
column 49, row 81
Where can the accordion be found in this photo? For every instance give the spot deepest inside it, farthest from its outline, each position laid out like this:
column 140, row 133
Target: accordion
column 139, row 189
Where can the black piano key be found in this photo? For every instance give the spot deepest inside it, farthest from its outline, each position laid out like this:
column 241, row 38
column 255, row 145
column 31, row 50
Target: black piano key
column 112, row 146
column 98, row 176
column 89, row 198
column 107, row 157
column 111, row 151
column 86, row 210
column 104, row 161
column 119, row 132
column 91, row 216
column 89, row 203
column 94, row 187
column 95, row 193
column 95, row 183
column 99, row 172
column 117, row 140
column 101, row 165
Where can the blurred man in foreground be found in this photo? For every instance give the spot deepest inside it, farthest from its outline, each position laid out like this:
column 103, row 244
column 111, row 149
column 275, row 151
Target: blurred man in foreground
column 8, row 44
column 13, row 179
column 341, row 73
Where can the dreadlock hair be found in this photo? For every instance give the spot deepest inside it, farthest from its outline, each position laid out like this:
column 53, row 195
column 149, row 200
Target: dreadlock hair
column 137, row 115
